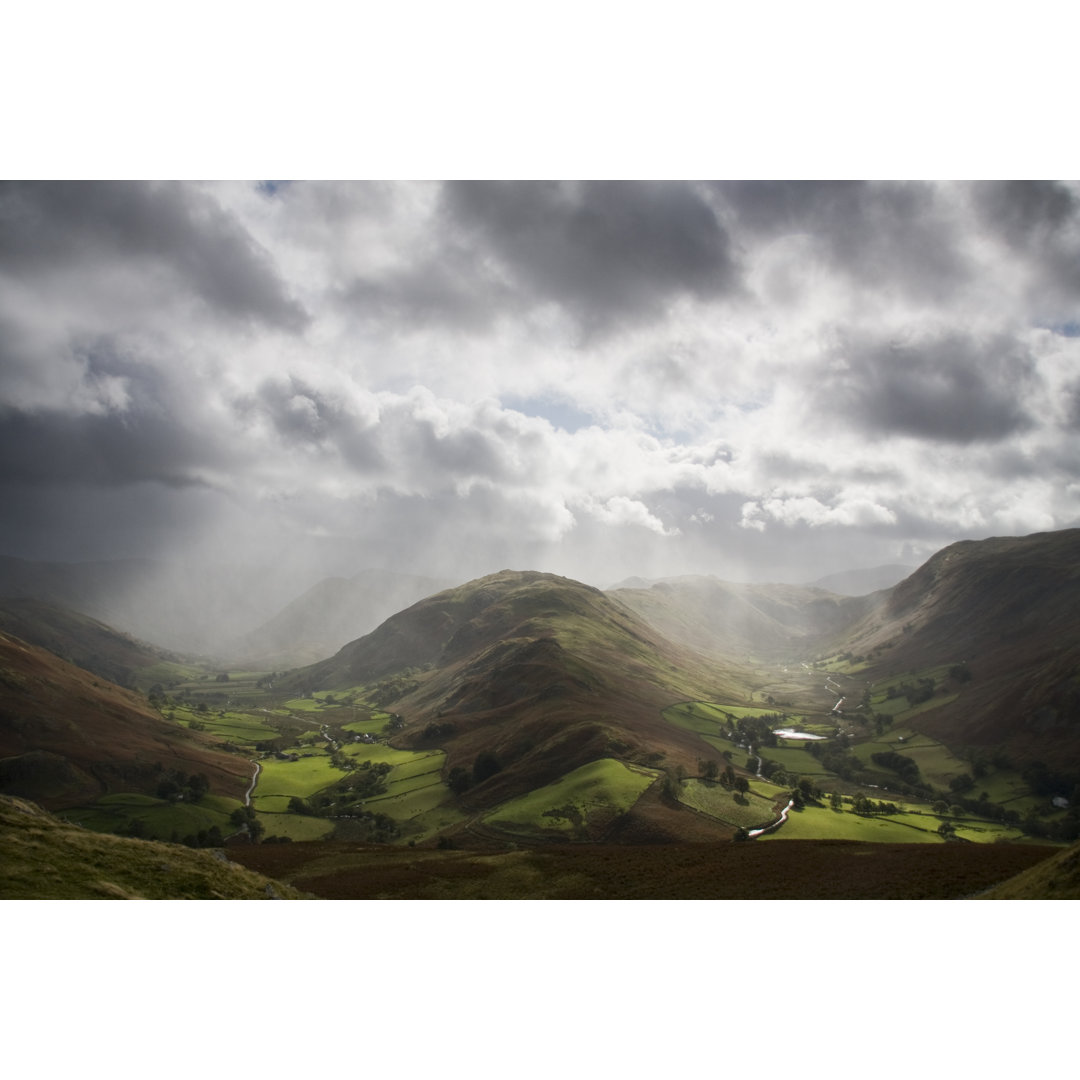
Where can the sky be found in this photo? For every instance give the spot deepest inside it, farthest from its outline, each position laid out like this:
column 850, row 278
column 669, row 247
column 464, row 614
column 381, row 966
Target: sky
column 758, row 380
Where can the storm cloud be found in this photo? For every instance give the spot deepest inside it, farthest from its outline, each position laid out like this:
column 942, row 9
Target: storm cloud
column 597, row 378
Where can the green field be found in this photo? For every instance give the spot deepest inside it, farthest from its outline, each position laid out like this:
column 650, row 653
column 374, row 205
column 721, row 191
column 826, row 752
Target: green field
column 794, row 759
column 817, row 823
column 305, row 777
column 295, row 826
column 367, row 727
column 582, row 801
column 717, row 802
column 161, row 820
column 376, row 752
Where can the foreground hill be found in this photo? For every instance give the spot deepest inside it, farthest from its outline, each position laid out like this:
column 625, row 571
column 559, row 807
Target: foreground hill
column 796, row 870
column 67, row 736
column 544, row 673
column 334, row 611
column 1055, row 878
column 1008, row 610
column 47, row 859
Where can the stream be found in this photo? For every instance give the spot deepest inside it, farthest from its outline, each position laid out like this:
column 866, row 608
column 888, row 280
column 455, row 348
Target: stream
column 776, row 824
column 254, row 781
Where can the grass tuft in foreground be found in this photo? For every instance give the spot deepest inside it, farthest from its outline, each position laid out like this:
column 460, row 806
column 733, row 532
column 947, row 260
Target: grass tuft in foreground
column 46, row 859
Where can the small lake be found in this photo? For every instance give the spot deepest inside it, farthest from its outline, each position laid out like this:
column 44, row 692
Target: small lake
column 787, row 733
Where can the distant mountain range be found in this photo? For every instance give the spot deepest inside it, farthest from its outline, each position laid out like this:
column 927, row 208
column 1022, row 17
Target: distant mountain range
column 263, row 615
column 861, row 582
column 329, row 615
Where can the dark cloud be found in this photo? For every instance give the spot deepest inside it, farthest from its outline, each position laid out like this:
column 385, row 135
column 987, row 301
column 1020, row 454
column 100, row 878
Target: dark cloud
column 954, row 389
column 881, row 234
column 1024, row 212
column 455, row 290
column 605, row 252
column 51, row 447
column 136, row 423
column 88, row 226
column 1039, row 221
column 303, row 415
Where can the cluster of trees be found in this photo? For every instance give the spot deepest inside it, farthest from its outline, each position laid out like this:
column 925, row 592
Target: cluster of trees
column 203, row 838
column 487, row 764
column 916, row 693
column 243, row 817
column 175, row 786
column 370, row 779
column 906, row 768
column 860, row 804
column 756, row 730
column 836, row 758
column 340, row 760
column 727, row 779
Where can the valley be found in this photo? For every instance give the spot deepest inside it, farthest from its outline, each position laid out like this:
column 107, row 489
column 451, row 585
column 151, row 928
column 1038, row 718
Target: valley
column 528, row 713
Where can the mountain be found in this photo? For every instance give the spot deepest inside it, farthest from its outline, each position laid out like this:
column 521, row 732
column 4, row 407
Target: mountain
column 330, row 614
column 1007, row 610
column 862, row 582
column 543, row 672
column 47, row 859
column 191, row 607
column 86, row 642
column 720, row 618
column 67, row 736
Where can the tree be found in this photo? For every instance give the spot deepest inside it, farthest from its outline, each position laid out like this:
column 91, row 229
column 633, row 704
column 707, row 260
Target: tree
column 836, row 800
column 742, row 785
column 243, row 817
column 198, row 785
column 485, row 765
column 459, row 780
column 169, row 789
column 710, row 769
column 298, row 806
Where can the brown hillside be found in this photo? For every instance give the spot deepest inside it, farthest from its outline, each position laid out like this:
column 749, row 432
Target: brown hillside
column 794, row 870
column 1010, row 609
column 67, row 736
column 84, row 641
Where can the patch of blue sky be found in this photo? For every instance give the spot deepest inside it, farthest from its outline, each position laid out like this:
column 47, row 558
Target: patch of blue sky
column 1065, row 329
column 559, row 414
column 271, row 187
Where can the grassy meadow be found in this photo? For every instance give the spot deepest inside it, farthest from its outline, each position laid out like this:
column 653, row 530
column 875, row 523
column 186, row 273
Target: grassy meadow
column 740, row 811
column 580, row 803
